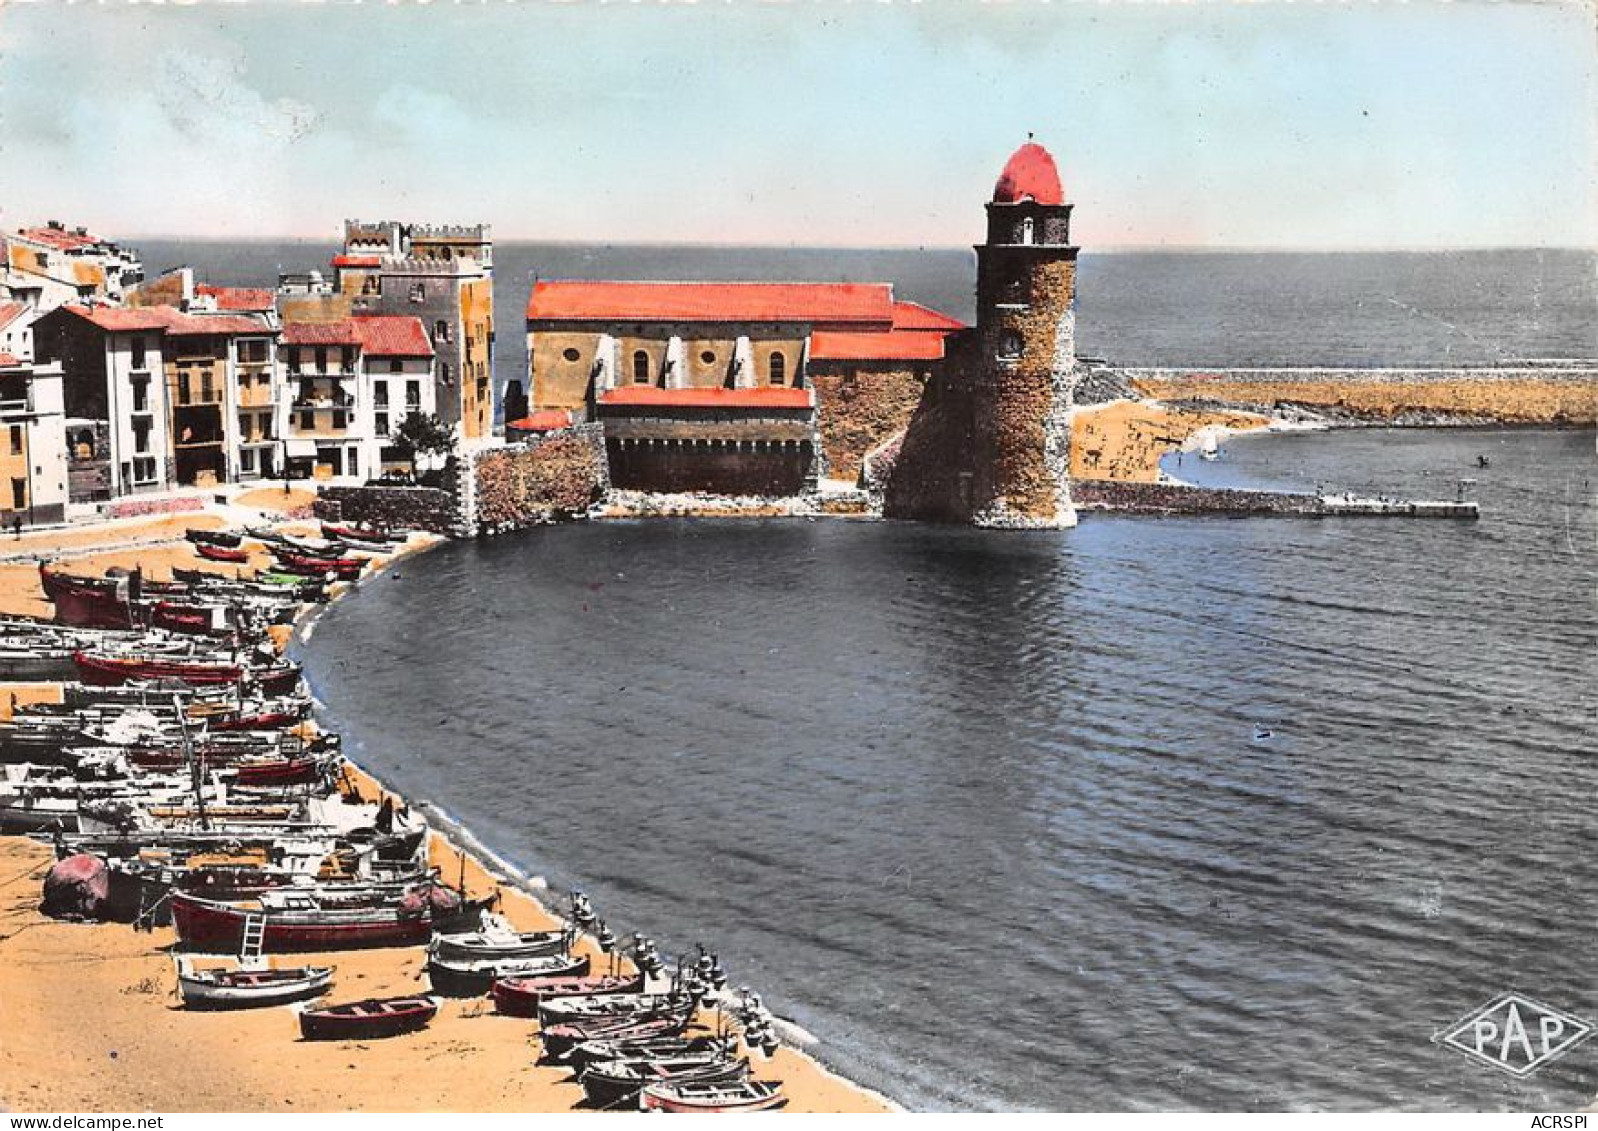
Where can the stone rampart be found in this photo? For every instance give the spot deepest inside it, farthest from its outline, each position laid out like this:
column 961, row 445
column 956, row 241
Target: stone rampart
column 547, row 478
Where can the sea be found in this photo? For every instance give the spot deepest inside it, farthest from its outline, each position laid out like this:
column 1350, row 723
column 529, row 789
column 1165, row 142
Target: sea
column 1151, row 814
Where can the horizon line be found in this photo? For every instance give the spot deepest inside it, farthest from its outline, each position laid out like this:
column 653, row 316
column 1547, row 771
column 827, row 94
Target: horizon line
column 1111, row 248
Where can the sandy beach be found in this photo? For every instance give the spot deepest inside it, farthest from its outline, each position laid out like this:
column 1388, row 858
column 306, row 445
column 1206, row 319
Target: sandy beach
column 91, row 1017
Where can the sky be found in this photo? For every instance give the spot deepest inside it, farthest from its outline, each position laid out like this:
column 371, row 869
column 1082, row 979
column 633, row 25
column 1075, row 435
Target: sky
column 1301, row 125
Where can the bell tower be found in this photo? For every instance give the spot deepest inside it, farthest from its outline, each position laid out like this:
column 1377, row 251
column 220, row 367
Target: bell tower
column 1026, row 330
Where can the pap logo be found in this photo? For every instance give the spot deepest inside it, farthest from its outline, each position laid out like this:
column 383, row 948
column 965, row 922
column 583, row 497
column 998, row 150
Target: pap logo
column 1516, row 1034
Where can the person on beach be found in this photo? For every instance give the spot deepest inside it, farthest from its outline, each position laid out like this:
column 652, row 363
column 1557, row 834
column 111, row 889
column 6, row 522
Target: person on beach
column 16, row 527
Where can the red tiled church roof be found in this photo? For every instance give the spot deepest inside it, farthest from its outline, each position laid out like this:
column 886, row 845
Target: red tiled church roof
column 764, row 396
column 895, row 345
column 914, row 316
column 712, row 302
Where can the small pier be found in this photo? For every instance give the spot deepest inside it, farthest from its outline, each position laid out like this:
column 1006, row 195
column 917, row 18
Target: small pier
column 1400, row 508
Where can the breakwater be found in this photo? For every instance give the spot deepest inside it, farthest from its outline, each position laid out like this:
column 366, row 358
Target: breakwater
column 1544, row 393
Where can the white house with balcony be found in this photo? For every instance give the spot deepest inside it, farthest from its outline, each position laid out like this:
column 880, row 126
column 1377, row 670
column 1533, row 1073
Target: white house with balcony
column 346, row 386
column 33, row 452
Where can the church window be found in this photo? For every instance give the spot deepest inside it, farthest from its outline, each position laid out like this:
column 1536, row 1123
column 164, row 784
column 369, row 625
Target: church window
column 708, row 357
column 1010, row 347
column 1026, row 230
column 570, row 354
column 640, row 367
column 778, row 369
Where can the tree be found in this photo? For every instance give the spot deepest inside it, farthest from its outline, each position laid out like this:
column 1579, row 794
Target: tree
column 423, row 434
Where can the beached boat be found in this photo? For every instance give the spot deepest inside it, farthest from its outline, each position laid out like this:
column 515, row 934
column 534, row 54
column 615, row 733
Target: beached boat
column 365, row 1020
column 498, row 940
column 370, row 535
column 559, row 1040
column 249, row 989
column 614, row 1084
column 472, row 977
column 191, row 618
column 281, row 772
column 660, row 1048
column 599, row 1007
column 712, row 1097
column 221, row 553
column 345, row 569
column 90, row 602
column 108, row 669
column 228, row 538
column 519, row 996
column 301, row 922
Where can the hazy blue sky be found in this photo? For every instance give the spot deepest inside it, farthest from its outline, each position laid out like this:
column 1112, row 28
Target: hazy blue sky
column 1304, row 125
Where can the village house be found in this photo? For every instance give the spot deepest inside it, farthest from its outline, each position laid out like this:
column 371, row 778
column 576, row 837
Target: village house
column 350, row 383
column 33, row 464
column 50, row 266
column 153, row 395
column 441, row 275
column 735, row 388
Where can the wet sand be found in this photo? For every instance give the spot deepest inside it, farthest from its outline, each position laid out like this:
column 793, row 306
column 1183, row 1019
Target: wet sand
column 90, row 1021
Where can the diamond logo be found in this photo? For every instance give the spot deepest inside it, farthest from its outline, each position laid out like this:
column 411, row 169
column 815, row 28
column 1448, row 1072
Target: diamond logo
column 1515, row 1034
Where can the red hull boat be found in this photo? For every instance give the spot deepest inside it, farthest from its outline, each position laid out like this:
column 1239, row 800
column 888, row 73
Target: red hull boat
column 290, row 771
column 365, row 1020
column 519, row 997
column 372, row 536
column 198, row 620
column 265, row 720
column 88, row 602
column 207, row 925
column 101, row 670
column 221, row 553
column 345, row 569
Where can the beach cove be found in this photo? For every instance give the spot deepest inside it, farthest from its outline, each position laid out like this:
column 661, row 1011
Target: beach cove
column 92, row 1020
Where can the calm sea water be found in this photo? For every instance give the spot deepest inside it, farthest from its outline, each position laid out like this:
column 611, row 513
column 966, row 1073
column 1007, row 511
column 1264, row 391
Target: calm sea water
column 987, row 813
column 1145, row 308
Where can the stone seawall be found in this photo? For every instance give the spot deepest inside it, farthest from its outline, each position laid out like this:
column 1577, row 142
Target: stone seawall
column 1540, row 394
column 544, row 479
column 411, row 508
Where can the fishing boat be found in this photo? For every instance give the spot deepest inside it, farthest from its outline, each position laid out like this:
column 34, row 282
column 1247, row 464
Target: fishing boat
column 369, row 1019
column 299, row 921
column 249, row 989
column 281, row 772
column 613, row 1084
column 222, row 553
column 192, row 618
column 345, row 569
column 498, row 940
column 660, row 1048
column 90, row 602
column 353, row 532
column 599, row 1007
column 472, row 977
column 1210, row 447
column 712, row 1096
column 519, row 996
column 229, row 538
column 108, row 669
column 559, row 1040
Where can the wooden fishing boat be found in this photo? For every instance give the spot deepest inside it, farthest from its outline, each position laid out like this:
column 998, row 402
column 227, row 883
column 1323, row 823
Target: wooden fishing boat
column 371, row 535
column 250, row 989
column 228, row 538
column 712, row 1096
column 369, row 1019
column 498, row 940
column 301, row 923
column 558, row 1040
column 222, row 553
column 519, row 996
column 198, row 620
column 660, row 1048
column 472, row 977
column 598, row 1007
column 345, row 569
column 107, row 669
column 614, row 1084
column 90, row 602
column 256, row 720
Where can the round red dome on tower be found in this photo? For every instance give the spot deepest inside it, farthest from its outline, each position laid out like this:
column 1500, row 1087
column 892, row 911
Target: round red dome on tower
column 1030, row 174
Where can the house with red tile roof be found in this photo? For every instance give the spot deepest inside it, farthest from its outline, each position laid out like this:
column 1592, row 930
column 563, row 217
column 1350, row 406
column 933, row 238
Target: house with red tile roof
column 712, row 386
column 350, row 382
column 53, row 264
